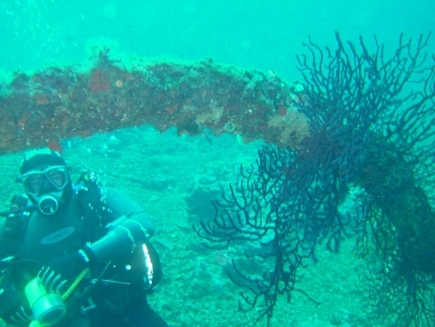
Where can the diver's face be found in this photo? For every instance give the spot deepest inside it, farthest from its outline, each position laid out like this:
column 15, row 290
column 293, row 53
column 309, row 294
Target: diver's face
column 45, row 186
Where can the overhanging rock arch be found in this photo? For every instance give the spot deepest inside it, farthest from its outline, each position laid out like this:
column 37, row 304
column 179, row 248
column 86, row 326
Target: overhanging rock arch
column 59, row 103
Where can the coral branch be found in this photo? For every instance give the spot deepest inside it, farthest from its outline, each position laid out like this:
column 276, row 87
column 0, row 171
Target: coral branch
column 364, row 169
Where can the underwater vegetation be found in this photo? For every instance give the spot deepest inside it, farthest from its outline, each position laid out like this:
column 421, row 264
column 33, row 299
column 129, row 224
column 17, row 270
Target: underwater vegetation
column 351, row 156
column 53, row 104
column 364, row 171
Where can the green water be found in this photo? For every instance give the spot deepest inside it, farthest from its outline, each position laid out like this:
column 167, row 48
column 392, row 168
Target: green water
column 261, row 35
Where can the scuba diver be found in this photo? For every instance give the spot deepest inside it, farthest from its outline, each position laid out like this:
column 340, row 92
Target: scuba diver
column 75, row 254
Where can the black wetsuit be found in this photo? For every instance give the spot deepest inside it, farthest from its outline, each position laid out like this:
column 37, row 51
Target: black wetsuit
column 112, row 294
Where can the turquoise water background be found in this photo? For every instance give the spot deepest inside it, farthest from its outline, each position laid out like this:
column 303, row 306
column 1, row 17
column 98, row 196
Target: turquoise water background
column 255, row 34
column 165, row 172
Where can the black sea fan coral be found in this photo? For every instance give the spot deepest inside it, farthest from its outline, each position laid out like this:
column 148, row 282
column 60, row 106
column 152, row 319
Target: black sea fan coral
column 357, row 98
column 259, row 211
column 371, row 132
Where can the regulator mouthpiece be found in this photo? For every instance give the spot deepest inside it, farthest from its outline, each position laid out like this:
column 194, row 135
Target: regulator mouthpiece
column 48, row 204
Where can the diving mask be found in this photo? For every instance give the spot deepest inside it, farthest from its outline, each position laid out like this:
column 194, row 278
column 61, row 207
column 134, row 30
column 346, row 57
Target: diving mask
column 39, row 181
